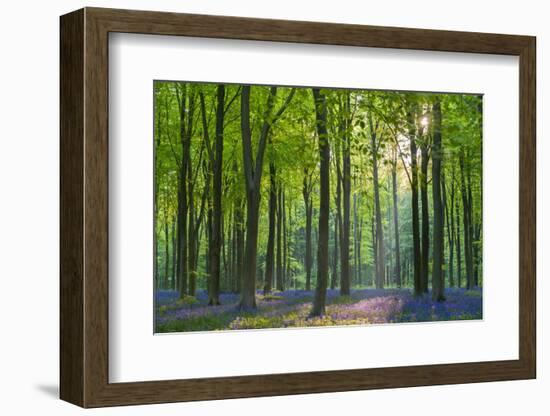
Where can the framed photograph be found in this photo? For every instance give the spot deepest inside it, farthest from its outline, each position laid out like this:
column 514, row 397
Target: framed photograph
column 256, row 207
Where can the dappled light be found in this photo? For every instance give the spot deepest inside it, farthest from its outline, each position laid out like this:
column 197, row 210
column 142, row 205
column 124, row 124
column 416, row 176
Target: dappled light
column 292, row 309
column 285, row 207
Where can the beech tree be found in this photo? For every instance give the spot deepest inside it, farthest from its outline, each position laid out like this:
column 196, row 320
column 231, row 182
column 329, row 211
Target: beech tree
column 283, row 189
column 324, row 202
column 252, row 175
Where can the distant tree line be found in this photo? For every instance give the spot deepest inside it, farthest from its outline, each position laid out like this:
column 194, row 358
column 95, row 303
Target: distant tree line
column 272, row 188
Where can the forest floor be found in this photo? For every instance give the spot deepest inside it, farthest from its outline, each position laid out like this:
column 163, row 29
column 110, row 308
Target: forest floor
column 291, row 308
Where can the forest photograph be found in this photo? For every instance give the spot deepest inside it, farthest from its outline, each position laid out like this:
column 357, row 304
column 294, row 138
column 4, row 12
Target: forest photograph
column 285, row 207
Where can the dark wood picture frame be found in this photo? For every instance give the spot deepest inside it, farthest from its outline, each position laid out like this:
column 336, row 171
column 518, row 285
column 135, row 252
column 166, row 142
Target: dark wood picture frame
column 84, row 207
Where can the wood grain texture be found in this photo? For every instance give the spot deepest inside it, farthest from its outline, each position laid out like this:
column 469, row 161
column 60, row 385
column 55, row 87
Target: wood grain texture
column 71, row 208
column 527, row 207
column 84, row 207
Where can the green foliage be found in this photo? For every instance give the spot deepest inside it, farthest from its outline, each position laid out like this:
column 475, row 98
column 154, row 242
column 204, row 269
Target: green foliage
column 380, row 133
column 186, row 301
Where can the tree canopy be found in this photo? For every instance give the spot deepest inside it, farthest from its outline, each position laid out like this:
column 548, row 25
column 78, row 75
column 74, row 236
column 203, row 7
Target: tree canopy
column 264, row 189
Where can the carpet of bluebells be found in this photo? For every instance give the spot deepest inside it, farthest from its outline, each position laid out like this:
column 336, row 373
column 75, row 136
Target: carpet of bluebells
column 291, row 308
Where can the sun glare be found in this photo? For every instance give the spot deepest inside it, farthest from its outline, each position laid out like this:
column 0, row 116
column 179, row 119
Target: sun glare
column 424, row 121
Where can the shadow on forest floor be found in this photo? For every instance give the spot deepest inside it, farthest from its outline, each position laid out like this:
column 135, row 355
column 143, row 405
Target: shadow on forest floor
column 291, row 308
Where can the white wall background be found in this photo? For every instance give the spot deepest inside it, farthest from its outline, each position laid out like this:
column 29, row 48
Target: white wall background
column 29, row 159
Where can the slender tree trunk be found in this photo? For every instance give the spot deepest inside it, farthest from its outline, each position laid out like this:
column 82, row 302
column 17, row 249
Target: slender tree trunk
column 239, row 231
column 158, row 275
column 380, row 255
column 417, row 254
column 389, row 239
column 191, row 258
column 466, row 226
column 396, row 224
column 475, row 234
column 287, row 227
column 449, row 213
column 190, row 246
column 346, row 188
column 182, row 242
column 269, row 259
column 359, row 263
column 167, row 252
column 476, row 250
column 374, row 248
column 285, row 242
column 324, row 204
column 338, row 200
column 355, row 275
column 306, row 191
column 174, row 252
column 182, row 270
column 425, row 216
column 194, row 226
column 158, row 136
column 234, row 276
column 438, row 282
column 334, row 276
column 238, row 223
column 279, row 258
column 229, row 241
column 192, row 269
column 208, row 234
column 224, row 277
column 458, row 246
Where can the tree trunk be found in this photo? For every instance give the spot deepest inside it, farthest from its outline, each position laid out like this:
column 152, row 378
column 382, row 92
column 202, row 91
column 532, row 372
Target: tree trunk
column 338, row 200
column 306, row 191
column 380, row 255
column 279, row 258
column 252, row 177
column 458, row 246
column 359, row 263
column 167, row 251
column 233, row 266
column 208, row 234
column 182, row 270
column 157, row 163
column 269, row 256
column 396, row 223
column 374, row 248
column 174, row 252
column 475, row 232
column 285, row 242
column 417, row 254
column 476, row 250
column 229, row 241
column 355, row 274
column 248, row 291
column 438, row 282
column 346, row 188
column 239, row 235
column 449, row 213
column 216, row 162
column 191, row 259
column 334, row 276
column 287, row 227
column 424, row 267
column 466, row 226
column 388, row 242
column 324, row 203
